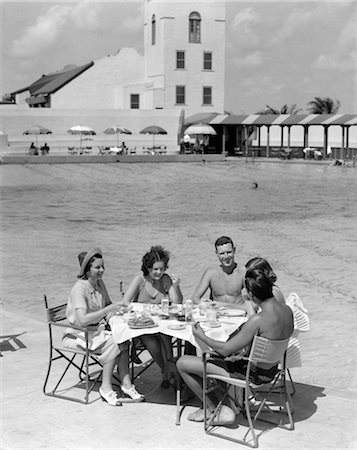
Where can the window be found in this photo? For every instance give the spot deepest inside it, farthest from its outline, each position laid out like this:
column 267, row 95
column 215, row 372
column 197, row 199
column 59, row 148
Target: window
column 153, row 30
column 134, row 101
column 194, row 35
column 207, row 95
column 180, row 60
column 207, row 61
column 180, row 95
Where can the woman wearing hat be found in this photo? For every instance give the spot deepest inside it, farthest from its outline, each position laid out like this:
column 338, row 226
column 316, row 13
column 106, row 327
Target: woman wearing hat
column 89, row 304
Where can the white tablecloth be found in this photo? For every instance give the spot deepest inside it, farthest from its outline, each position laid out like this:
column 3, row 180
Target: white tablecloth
column 122, row 332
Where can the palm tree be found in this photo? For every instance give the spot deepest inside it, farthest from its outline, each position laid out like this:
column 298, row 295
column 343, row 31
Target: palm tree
column 285, row 109
column 323, row 105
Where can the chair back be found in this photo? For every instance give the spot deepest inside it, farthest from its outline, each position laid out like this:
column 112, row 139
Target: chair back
column 267, row 351
column 57, row 313
column 301, row 318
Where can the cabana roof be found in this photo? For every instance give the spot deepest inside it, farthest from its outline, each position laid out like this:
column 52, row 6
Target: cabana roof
column 273, row 119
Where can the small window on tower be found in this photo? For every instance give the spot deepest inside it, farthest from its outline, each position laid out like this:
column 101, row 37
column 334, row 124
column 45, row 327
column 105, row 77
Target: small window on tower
column 207, row 61
column 180, row 95
column 194, row 34
column 153, row 30
column 134, row 101
column 207, row 95
column 180, row 60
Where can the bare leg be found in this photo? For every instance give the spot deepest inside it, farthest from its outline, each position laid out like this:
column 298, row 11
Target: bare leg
column 153, row 344
column 123, row 365
column 191, row 370
column 107, row 375
column 166, row 351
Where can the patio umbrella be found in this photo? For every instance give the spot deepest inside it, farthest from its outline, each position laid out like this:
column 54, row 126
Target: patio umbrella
column 36, row 130
column 117, row 129
column 200, row 128
column 153, row 129
column 81, row 130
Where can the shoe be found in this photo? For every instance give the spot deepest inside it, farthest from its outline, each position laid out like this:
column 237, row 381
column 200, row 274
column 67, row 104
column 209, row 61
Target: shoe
column 133, row 393
column 110, row 397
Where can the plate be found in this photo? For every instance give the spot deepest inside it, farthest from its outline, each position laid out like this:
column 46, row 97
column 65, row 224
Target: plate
column 207, row 324
column 232, row 313
column 177, row 326
column 138, row 327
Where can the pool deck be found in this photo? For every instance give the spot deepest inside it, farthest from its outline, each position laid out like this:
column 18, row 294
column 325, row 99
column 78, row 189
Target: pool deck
column 323, row 418
column 105, row 159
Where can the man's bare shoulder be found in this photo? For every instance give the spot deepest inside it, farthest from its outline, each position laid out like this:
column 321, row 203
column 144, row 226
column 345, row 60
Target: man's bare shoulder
column 212, row 271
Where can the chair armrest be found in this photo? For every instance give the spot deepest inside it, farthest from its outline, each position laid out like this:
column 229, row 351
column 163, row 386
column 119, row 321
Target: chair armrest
column 74, row 327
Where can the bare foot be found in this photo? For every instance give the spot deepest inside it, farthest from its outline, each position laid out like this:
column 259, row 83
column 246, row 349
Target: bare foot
column 226, row 416
column 196, row 416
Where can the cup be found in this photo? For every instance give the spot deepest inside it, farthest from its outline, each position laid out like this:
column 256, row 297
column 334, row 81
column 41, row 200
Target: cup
column 165, row 306
column 212, row 316
column 146, row 310
column 202, row 308
column 188, row 310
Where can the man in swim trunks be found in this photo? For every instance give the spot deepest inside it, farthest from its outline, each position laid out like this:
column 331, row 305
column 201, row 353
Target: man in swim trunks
column 225, row 281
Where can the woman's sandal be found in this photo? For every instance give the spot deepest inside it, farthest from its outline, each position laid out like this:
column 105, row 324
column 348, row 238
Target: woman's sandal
column 110, row 397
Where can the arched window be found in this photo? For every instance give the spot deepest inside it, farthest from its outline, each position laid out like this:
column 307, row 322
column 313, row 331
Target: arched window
column 153, row 30
column 194, row 31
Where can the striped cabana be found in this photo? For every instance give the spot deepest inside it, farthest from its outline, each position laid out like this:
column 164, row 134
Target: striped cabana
column 247, row 124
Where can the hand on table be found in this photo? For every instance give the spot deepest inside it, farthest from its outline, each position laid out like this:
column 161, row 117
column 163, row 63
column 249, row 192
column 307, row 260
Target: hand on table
column 114, row 309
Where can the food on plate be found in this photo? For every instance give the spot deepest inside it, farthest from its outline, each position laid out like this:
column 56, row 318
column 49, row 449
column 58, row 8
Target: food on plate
column 141, row 321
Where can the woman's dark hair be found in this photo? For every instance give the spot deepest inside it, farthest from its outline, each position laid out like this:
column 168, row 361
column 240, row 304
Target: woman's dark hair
column 259, row 284
column 262, row 264
column 89, row 263
column 156, row 253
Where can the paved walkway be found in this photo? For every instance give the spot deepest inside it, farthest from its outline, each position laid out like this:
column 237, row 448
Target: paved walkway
column 30, row 420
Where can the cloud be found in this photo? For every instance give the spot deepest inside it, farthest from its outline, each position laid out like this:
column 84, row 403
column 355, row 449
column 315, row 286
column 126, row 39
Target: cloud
column 246, row 18
column 252, row 60
column 244, row 27
column 85, row 16
column 40, row 36
column 297, row 19
column 133, row 24
column 336, row 62
column 343, row 55
column 54, row 24
column 260, row 86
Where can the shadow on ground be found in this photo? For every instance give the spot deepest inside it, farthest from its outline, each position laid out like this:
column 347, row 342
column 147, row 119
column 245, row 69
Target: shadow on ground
column 11, row 342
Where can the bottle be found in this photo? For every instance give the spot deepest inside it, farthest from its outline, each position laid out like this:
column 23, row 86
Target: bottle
column 188, row 310
column 165, row 306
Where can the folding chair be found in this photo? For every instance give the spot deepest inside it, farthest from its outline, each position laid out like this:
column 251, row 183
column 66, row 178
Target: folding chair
column 257, row 402
column 136, row 349
column 301, row 325
column 86, row 358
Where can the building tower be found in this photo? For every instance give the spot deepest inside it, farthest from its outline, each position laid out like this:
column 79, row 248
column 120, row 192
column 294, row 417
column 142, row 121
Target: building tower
column 184, row 46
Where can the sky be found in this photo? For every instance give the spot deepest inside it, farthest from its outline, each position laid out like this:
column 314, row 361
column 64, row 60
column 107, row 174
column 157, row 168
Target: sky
column 277, row 52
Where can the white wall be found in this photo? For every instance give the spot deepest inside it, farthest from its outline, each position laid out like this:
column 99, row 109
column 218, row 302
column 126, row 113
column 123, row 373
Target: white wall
column 103, row 85
column 172, row 21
